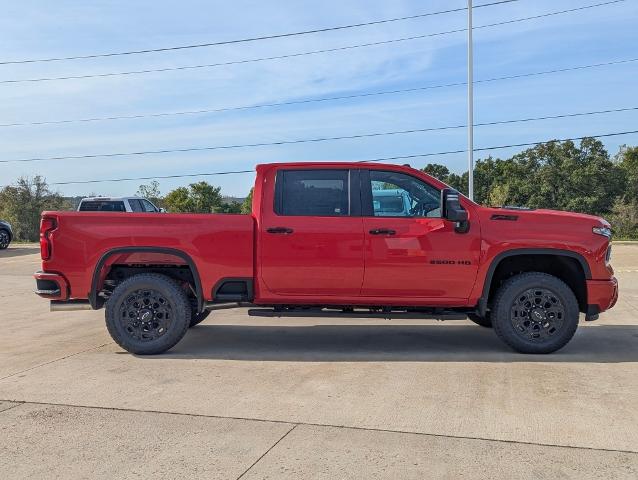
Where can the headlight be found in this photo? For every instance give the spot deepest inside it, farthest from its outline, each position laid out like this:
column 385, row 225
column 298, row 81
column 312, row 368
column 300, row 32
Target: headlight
column 604, row 231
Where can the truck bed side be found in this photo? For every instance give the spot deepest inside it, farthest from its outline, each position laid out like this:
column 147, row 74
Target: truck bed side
column 218, row 245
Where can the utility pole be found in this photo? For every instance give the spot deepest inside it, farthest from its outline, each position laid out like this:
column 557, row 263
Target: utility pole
column 470, row 104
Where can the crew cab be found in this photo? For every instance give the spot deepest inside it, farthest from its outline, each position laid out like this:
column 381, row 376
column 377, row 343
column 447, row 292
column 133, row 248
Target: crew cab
column 318, row 244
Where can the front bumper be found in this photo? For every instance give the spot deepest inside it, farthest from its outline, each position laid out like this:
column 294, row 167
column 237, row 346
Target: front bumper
column 51, row 285
column 601, row 295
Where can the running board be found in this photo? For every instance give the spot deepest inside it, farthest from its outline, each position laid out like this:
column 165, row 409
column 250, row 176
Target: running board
column 332, row 313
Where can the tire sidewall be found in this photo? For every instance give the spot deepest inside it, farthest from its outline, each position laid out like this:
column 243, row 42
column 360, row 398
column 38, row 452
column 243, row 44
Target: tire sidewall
column 197, row 318
column 5, row 232
column 501, row 315
column 174, row 295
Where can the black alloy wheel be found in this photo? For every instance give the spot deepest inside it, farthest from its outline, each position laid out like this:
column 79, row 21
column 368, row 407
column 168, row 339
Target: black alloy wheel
column 5, row 239
column 537, row 315
column 535, row 312
column 148, row 313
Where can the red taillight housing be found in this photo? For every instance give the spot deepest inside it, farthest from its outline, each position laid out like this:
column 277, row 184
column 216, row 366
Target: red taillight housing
column 47, row 225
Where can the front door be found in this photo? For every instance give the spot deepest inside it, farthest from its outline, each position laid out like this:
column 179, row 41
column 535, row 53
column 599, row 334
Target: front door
column 311, row 236
column 410, row 251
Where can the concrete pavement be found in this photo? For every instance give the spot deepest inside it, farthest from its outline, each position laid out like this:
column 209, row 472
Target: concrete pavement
column 313, row 398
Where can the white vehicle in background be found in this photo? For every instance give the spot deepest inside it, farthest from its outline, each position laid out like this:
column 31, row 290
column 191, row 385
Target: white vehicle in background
column 120, row 204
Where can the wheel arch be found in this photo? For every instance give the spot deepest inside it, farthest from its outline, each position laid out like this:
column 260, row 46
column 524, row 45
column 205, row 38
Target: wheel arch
column 96, row 302
column 576, row 272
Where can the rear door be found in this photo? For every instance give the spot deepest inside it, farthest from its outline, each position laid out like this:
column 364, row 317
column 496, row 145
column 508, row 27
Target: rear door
column 410, row 251
column 311, row 237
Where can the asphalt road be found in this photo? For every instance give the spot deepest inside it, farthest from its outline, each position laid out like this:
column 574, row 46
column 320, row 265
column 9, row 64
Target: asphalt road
column 241, row 397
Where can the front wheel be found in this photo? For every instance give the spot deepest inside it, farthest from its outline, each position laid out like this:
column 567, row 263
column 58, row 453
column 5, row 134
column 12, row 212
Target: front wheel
column 147, row 314
column 535, row 313
column 5, row 239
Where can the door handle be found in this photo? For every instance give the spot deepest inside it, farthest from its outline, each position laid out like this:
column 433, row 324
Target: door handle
column 280, row 230
column 383, row 231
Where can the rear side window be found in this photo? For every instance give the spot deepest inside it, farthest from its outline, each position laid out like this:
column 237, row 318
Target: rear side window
column 102, row 206
column 318, row 193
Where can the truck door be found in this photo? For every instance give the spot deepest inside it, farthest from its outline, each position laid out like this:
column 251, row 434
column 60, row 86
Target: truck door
column 311, row 233
column 409, row 250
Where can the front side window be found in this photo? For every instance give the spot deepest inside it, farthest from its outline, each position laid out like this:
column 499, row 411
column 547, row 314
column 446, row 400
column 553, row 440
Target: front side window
column 399, row 195
column 319, row 193
column 148, row 206
column 136, row 205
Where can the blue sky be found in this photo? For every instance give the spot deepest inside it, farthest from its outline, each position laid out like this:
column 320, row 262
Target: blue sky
column 37, row 29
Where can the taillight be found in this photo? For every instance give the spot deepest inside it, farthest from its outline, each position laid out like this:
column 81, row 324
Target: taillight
column 47, row 225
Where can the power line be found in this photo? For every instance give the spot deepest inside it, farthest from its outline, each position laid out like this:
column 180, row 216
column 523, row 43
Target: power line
column 384, row 159
column 313, row 100
column 310, row 140
column 253, row 39
column 299, row 54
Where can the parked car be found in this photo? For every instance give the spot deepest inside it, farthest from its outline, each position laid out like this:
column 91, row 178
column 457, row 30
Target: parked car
column 317, row 244
column 6, row 234
column 122, row 204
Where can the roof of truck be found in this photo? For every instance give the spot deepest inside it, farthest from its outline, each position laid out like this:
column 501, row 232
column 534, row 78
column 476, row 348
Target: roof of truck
column 109, row 199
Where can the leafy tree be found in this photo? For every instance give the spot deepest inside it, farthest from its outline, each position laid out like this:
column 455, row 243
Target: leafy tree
column 229, row 207
column 624, row 219
column 627, row 162
column 200, row 197
column 152, row 192
column 22, row 204
column 247, row 206
column 438, row 171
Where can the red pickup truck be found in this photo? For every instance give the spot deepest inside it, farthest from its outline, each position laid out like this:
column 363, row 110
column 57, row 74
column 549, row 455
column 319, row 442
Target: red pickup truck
column 333, row 239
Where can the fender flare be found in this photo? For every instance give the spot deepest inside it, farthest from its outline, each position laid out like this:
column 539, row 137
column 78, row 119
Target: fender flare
column 482, row 303
column 93, row 298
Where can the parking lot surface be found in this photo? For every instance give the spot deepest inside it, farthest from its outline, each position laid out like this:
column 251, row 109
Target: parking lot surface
column 243, row 397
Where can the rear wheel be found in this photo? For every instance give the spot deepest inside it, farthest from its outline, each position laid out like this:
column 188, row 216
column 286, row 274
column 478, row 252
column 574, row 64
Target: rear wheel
column 147, row 314
column 5, row 239
column 535, row 313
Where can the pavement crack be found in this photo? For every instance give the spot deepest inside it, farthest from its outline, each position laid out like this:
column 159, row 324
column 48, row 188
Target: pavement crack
column 55, row 360
column 17, row 404
column 267, row 451
column 327, row 425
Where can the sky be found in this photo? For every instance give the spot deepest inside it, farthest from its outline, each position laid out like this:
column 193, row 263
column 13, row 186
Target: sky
column 42, row 29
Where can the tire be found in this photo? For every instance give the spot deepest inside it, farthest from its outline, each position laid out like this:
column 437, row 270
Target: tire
column 5, row 239
column 153, row 297
column 485, row 321
column 535, row 313
column 197, row 318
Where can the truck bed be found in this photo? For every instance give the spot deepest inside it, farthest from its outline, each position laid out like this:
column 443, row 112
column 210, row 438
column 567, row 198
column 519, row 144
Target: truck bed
column 220, row 245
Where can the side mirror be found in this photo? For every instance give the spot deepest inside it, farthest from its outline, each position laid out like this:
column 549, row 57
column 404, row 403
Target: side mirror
column 452, row 210
column 162, row 210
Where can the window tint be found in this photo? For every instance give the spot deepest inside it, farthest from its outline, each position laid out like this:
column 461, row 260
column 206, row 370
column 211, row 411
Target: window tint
column 136, row 205
column 102, row 206
column 148, row 206
column 400, row 195
column 312, row 193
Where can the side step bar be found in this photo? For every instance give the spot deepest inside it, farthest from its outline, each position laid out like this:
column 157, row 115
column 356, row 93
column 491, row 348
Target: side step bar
column 333, row 313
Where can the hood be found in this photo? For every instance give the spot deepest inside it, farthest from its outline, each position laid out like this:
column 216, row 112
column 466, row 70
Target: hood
column 543, row 213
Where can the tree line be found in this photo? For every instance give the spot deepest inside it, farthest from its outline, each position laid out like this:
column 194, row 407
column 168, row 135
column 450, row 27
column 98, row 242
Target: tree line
column 580, row 177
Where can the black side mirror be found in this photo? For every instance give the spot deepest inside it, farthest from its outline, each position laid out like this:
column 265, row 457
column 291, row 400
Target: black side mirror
column 452, row 210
